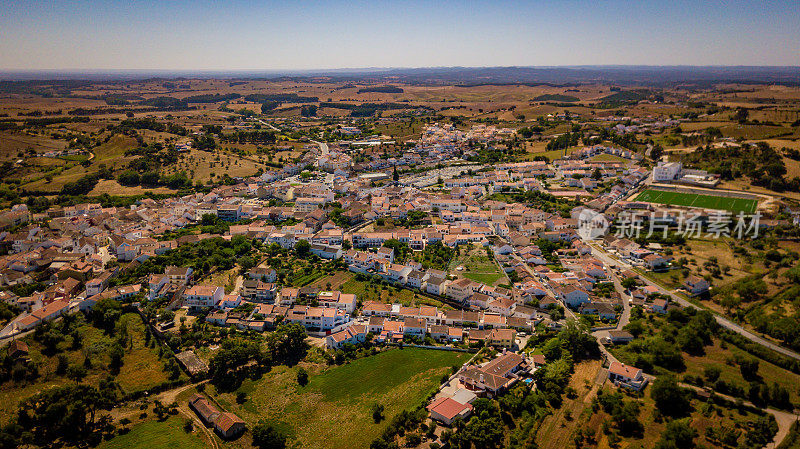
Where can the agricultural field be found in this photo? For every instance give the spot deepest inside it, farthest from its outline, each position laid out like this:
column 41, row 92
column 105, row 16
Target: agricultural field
column 734, row 205
column 334, row 410
column 203, row 166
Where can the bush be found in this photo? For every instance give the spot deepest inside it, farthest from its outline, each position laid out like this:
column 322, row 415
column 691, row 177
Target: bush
column 266, row 436
column 302, row 377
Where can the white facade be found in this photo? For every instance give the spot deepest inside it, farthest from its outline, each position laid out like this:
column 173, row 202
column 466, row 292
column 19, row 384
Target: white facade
column 666, row 171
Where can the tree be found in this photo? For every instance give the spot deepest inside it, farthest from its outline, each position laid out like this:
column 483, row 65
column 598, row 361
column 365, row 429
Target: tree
column 579, row 341
column 377, row 413
column 670, row 398
column 268, row 106
column 302, row 248
column 227, row 367
column 287, row 343
column 308, row 110
column 247, row 262
column 128, row 178
column 117, row 354
column 241, row 397
column 266, row 436
column 678, row 435
column 64, row 413
column 395, row 175
column 106, row 313
column 656, row 152
column 741, row 115
column 413, row 440
column 712, row 373
column 629, row 283
column 62, row 364
column 302, row 377
column 748, row 366
column 76, row 373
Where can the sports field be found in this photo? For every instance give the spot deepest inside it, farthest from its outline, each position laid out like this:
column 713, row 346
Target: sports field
column 735, row 205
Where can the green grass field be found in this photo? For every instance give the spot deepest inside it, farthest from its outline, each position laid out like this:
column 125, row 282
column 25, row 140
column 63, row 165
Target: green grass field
column 476, row 265
column 734, row 205
column 365, row 291
column 166, row 434
column 334, row 409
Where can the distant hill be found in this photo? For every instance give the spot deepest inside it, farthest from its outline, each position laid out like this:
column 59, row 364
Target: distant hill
column 658, row 76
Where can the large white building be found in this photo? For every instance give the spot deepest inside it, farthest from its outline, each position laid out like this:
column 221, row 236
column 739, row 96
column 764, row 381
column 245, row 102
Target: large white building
column 308, row 204
column 667, row 171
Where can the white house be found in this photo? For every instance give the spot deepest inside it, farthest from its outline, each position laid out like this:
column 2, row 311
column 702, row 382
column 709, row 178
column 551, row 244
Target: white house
column 203, row 296
column 572, row 296
column 626, row 376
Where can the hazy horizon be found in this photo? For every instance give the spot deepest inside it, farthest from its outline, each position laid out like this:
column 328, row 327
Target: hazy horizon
column 271, row 36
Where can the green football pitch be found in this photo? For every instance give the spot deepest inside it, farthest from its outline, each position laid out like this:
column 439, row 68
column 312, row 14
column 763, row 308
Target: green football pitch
column 735, row 205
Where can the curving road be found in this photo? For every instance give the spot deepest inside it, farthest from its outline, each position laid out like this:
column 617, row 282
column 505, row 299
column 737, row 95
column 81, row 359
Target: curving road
column 724, row 322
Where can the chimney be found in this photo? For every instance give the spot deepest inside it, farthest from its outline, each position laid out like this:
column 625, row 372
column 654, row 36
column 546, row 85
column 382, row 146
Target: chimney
column 481, row 378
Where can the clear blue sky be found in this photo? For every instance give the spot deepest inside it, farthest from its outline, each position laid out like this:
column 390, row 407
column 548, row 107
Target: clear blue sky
column 297, row 34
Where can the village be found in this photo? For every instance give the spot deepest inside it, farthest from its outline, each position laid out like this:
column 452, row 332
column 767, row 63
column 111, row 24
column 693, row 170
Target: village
column 488, row 273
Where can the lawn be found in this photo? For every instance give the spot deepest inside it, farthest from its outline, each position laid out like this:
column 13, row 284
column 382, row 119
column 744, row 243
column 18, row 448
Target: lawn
column 366, row 291
column 335, row 409
column 484, row 278
column 475, row 264
column 607, row 158
column 733, row 205
column 166, row 434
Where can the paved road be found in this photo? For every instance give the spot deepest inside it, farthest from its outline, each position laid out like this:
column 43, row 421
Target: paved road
column 567, row 311
column 323, row 147
column 724, row 322
column 237, row 286
column 268, row 124
column 625, row 317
